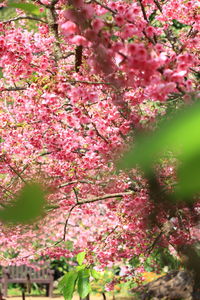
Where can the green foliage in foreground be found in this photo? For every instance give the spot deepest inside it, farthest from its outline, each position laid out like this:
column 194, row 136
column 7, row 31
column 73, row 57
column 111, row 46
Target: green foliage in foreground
column 26, row 207
column 27, row 7
column 79, row 277
column 179, row 134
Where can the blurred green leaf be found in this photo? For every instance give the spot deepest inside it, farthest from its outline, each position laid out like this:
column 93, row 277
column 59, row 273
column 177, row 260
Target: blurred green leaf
column 27, row 206
column 189, row 177
column 178, row 25
column 84, row 283
column 95, row 274
column 152, row 16
column 80, row 258
column 179, row 134
column 79, row 268
column 1, row 73
column 67, row 284
column 27, row 7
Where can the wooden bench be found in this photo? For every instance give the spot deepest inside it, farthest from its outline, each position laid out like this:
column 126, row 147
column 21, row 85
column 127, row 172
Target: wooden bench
column 27, row 275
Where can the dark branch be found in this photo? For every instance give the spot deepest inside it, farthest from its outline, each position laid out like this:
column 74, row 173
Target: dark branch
column 24, row 18
column 143, row 11
column 13, row 89
column 82, row 202
column 74, row 182
column 108, row 196
column 104, row 6
column 158, row 5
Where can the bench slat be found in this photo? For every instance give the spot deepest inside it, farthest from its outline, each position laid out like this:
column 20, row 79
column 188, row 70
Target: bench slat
column 18, row 274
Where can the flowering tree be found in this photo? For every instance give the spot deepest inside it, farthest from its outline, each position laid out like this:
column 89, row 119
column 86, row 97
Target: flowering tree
column 78, row 79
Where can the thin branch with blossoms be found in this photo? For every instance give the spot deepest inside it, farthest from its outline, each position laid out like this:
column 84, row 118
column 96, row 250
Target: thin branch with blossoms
column 143, row 11
column 86, row 201
column 158, row 5
column 105, row 6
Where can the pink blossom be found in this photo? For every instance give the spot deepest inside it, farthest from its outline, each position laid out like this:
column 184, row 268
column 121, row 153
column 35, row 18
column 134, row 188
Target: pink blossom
column 69, row 28
column 79, row 40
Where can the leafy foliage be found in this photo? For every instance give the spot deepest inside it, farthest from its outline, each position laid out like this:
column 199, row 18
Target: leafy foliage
column 80, row 276
column 26, row 208
column 178, row 134
column 27, row 7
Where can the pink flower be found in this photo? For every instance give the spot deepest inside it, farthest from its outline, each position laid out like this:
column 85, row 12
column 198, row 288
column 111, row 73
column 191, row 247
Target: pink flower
column 68, row 28
column 150, row 31
column 79, row 40
column 120, row 20
column 177, row 76
column 132, row 48
column 97, row 24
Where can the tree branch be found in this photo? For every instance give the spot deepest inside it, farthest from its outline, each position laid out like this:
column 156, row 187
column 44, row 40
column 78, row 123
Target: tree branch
column 74, row 182
column 82, row 202
column 66, row 223
column 53, row 27
column 24, row 18
column 158, row 5
column 108, row 196
column 13, row 89
column 143, row 11
column 105, row 6
column 17, row 173
column 88, row 82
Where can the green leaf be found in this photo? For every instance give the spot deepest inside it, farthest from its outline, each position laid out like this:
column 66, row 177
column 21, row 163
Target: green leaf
column 189, row 178
column 180, row 134
column 84, row 283
column 80, row 257
column 152, row 16
column 27, row 206
column 27, row 7
column 178, row 25
column 79, row 268
column 1, row 72
column 95, row 274
column 67, row 284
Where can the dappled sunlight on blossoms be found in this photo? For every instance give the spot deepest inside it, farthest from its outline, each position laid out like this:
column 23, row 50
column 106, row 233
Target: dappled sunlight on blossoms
column 75, row 88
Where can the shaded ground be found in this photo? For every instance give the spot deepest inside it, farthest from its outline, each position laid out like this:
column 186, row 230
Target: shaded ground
column 76, row 297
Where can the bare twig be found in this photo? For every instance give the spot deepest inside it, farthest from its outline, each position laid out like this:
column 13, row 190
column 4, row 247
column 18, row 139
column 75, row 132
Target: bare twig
column 17, row 173
column 66, row 223
column 24, row 18
column 89, row 82
column 76, row 194
column 67, row 55
column 45, row 153
column 74, row 182
column 99, row 134
column 13, row 89
column 7, row 190
column 108, row 196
